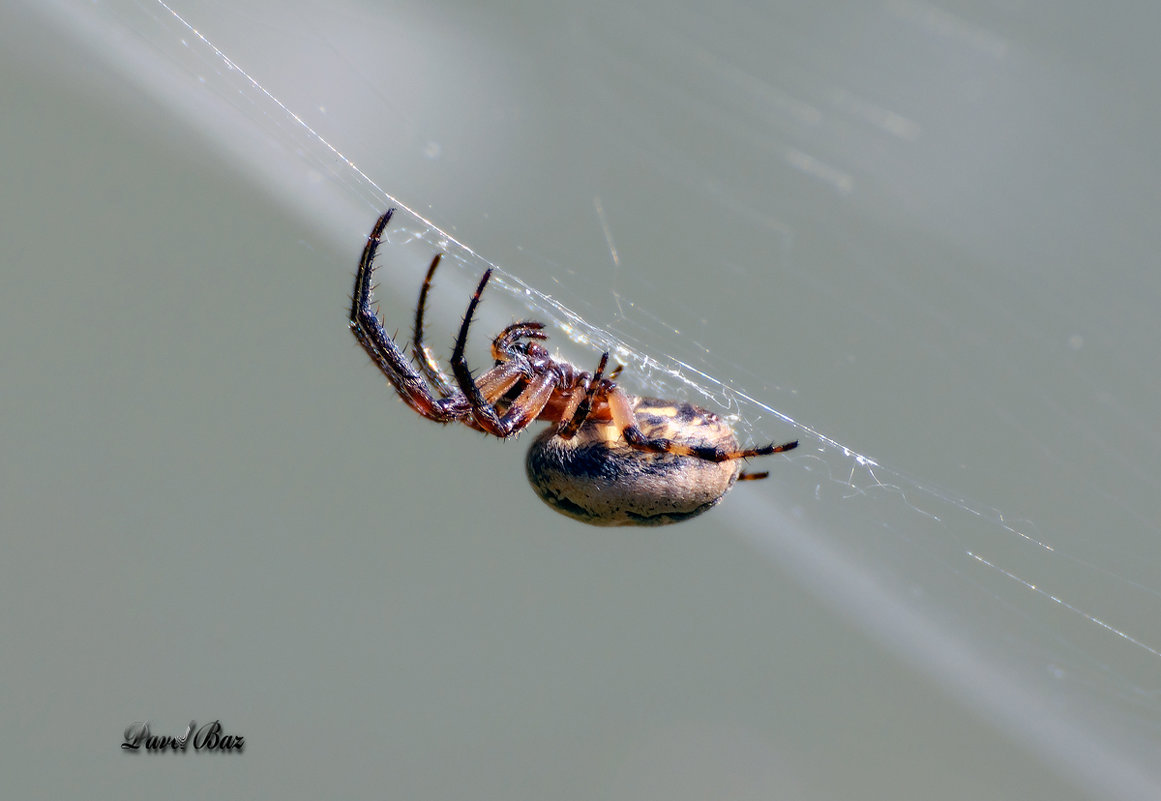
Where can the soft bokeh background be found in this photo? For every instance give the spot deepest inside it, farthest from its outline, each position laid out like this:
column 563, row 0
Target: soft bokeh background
column 926, row 230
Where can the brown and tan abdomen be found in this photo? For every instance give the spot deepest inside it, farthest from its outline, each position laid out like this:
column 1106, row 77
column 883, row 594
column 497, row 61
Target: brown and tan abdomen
column 596, row 477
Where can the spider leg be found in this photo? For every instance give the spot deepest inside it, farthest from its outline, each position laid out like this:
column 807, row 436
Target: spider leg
column 616, row 372
column 527, row 405
column 521, row 411
column 744, row 476
column 626, row 421
column 482, row 411
column 422, row 353
column 368, row 330
column 495, row 383
column 578, row 409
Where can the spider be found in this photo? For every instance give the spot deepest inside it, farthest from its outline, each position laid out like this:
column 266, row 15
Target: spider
column 608, row 459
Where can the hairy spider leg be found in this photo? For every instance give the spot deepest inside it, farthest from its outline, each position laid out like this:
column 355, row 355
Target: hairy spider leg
column 626, row 421
column 528, row 404
column 493, row 384
column 391, row 361
column 579, row 407
column 422, row 353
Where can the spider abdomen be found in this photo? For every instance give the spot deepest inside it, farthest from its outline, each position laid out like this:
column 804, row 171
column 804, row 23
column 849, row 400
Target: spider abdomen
column 597, row 478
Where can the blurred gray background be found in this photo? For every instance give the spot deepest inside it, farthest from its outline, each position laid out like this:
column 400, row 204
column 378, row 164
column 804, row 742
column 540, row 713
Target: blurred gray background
column 927, row 232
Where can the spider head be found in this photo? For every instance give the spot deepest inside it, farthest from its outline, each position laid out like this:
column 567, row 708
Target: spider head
column 536, row 353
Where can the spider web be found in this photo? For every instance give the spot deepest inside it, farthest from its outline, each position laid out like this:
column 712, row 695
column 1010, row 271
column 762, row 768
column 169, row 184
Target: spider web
column 867, row 536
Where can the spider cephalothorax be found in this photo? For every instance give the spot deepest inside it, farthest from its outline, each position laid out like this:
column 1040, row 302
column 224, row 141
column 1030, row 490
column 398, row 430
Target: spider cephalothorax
column 608, row 459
